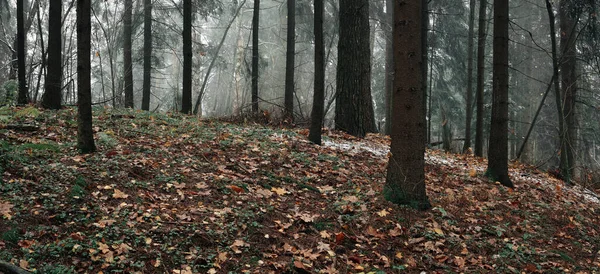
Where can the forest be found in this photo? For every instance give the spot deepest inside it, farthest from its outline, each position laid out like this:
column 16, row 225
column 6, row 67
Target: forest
column 350, row 136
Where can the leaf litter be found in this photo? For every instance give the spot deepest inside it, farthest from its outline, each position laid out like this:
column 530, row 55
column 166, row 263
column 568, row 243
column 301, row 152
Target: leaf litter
column 174, row 194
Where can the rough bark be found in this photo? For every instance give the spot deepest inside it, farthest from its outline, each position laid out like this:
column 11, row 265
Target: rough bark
column 354, row 107
column 405, row 182
column 469, row 102
column 255, row 57
column 568, row 77
column 319, row 80
column 497, row 168
column 23, row 92
column 127, row 62
column 186, row 100
column 480, row 77
column 289, row 61
column 85, row 133
column 147, row 82
column 389, row 65
column 53, row 85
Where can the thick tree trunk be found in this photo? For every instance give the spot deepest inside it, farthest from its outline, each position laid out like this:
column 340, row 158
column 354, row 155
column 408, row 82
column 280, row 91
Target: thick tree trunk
column 389, row 65
column 186, row 100
column 568, row 75
column 127, row 63
column 319, row 84
column 23, row 92
column 85, row 134
column 480, row 77
column 52, row 98
column 498, row 143
column 147, row 82
column 289, row 61
column 255, row 57
column 354, row 107
column 405, row 182
column 469, row 102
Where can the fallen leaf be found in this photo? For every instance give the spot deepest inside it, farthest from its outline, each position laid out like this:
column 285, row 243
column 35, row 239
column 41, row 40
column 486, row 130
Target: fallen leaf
column 383, row 213
column 279, row 191
column 324, row 234
column 236, row 189
column 119, row 194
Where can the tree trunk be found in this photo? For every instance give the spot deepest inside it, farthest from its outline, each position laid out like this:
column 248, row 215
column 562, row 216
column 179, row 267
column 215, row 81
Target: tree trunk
column 255, row 57
column 498, row 143
column 469, row 102
column 186, row 100
column 480, row 77
column 52, row 98
column 289, row 60
column 147, row 82
column 85, row 134
column 127, row 63
column 568, row 75
column 23, row 92
column 319, row 80
column 354, row 106
column 405, row 182
column 389, row 65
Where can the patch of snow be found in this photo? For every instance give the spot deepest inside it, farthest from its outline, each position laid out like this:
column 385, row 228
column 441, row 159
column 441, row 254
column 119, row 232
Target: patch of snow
column 356, row 147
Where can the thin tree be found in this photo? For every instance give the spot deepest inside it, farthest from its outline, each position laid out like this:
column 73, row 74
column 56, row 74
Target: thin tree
column 354, row 107
column 481, row 35
column 255, row 28
column 469, row 102
column 389, row 65
column 23, row 92
column 53, row 84
column 186, row 98
column 85, row 134
column 497, row 168
column 568, row 73
column 147, row 82
column 289, row 61
column 127, row 63
column 319, row 80
column 405, row 182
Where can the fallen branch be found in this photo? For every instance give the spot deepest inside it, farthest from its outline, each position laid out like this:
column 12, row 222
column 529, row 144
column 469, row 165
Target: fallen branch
column 7, row 268
column 21, row 127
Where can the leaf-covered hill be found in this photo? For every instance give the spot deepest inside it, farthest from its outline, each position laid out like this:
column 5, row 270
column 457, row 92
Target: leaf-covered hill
column 175, row 194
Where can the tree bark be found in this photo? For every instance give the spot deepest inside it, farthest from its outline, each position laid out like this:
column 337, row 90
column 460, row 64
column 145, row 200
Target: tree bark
column 255, row 57
column 85, row 133
column 469, row 102
column 480, row 77
column 289, row 61
column 147, row 82
column 498, row 143
column 186, row 100
column 354, row 107
column 405, row 182
column 568, row 68
column 23, row 92
column 52, row 98
column 127, row 62
column 389, row 65
column 316, row 124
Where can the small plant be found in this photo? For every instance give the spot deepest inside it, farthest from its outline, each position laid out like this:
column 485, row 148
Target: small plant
column 12, row 236
column 78, row 189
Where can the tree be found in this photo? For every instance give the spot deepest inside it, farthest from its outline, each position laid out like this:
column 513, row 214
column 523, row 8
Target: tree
column 147, row 82
column 53, row 96
column 498, row 143
column 186, row 100
column 480, row 77
column 405, row 182
column 255, row 27
column 290, row 57
column 319, row 80
column 23, row 92
column 469, row 102
column 85, row 134
column 568, row 65
column 354, row 106
column 127, row 63
column 389, row 65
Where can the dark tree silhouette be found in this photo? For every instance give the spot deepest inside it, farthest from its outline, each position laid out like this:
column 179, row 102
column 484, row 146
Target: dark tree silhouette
column 290, row 57
column 469, row 103
column 354, row 107
column 85, row 134
column 147, row 83
column 52, row 96
column 405, row 182
column 186, row 100
column 23, row 92
column 255, row 28
column 480, row 78
column 127, row 63
column 498, row 143
column 319, row 92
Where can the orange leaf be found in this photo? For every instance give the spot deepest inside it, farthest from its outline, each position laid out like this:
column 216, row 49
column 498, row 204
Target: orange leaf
column 236, row 189
column 339, row 237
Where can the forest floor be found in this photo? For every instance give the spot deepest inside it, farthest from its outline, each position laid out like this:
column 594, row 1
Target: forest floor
column 175, row 194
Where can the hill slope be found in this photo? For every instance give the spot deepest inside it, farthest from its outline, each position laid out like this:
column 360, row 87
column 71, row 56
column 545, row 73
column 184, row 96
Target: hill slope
column 174, row 194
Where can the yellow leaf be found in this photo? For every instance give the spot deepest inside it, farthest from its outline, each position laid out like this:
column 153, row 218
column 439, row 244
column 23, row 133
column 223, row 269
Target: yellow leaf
column 24, row 264
column 119, row 194
column 383, row 213
column 279, row 191
column 473, row 173
column 438, row 231
column 399, row 255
